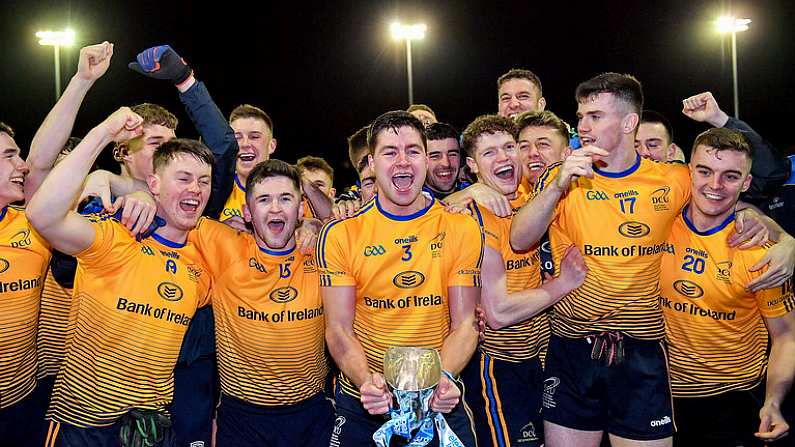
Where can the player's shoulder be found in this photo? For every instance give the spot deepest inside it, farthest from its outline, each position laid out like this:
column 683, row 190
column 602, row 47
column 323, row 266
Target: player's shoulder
column 336, row 228
column 666, row 170
column 546, row 177
column 462, row 222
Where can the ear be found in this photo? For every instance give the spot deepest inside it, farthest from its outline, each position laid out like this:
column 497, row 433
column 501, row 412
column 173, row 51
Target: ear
column 670, row 152
column 542, row 104
column 630, row 123
column 747, row 182
column 472, row 165
column 272, row 146
column 566, row 152
column 153, row 182
column 333, row 193
column 246, row 213
column 371, row 162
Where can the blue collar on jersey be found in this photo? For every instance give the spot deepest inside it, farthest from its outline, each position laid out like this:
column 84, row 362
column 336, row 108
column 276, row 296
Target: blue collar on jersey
column 167, row 242
column 237, row 182
column 3, row 213
column 624, row 173
column 710, row 231
column 403, row 218
column 277, row 252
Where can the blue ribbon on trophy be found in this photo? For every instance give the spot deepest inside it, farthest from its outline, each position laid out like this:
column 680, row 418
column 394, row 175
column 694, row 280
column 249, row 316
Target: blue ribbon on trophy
column 412, row 375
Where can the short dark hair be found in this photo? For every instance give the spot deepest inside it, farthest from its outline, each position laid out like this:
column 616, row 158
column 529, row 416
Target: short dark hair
column 6, row 129
column 357, row 143
column 651, row 116
column 440, row 131
column 249, row 111
column 152, row 114
column 313, row 163
column 520, row 73
column 543, row 118
column 723, row 139
column 623, row 86
column 272, row 168
column 171, row 149
column 486, row 124
column 155, row 114
column 414, row 107
column 393, row 121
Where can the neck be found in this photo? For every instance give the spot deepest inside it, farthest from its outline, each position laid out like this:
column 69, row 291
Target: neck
column 172, row 233
column 704, row 222
column 400, row 210
column 242, row 178
column 619, row 159
column 440, row 191
column 261, row 243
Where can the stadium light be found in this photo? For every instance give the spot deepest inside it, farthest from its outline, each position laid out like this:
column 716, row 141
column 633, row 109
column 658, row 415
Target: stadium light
column 725, row 25
column 408, row 33
column 56, row 40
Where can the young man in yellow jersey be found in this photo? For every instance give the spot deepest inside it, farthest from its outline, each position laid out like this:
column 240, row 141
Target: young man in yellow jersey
column 254, row 133
column 268, row 319
column 606, row 366
column 133, row 300
column 717, row 329
column 402, row 272
column 504, row 380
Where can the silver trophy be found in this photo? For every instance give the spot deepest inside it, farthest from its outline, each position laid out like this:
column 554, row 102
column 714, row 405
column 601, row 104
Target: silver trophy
column 413, row 372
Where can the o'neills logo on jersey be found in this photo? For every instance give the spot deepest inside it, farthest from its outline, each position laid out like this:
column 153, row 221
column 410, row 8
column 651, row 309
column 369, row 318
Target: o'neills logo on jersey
column 688, row 288
column 169, row 291
column 408, row 279
column 284, row 294
column 634, row 229
column 4, row 265
column 19, row 285
column 660, row 198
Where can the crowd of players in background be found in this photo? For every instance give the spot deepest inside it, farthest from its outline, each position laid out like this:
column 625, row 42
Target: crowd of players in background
column 582, row 284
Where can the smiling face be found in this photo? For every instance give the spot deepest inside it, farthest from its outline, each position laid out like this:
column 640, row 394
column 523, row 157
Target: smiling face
column 653, row 142
column 497, row 162
column 399, row 163
column 256, row 143
column 12, row 171
column 181, row 188
column 274, row 206
column 540, row 146
column 717, row 179
column 518, row 95
column 444, row 160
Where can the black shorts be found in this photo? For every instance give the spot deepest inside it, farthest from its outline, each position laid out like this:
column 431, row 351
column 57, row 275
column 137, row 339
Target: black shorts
column 505, row 398
column 631, row 399
column 307, row 423
column 354, row 426
column 728, row 419
column 65, row 435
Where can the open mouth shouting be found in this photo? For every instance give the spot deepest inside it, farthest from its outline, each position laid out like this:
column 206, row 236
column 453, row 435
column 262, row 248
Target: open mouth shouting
column 402, row 181
column 189, row 206
column 505, row 173
column 247, row 157
column 18, row 180
column 276, row 225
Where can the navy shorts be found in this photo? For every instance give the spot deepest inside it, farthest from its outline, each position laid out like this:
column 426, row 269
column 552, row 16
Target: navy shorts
column 65, row 435
column 195, row 397
column 22, row 424
column 505, row 398
column 306, row 424
column 354, row 426
column 631, row 399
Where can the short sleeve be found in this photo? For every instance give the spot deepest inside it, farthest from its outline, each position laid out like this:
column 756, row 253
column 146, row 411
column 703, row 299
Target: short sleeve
column 109, row 236
column 466, row 249
column 332, row 252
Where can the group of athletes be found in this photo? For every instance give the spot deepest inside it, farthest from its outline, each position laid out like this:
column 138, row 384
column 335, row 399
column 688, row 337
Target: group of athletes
column 582, row 285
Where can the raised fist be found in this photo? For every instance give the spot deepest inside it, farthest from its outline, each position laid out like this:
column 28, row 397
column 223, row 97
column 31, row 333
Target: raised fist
column 94, row 61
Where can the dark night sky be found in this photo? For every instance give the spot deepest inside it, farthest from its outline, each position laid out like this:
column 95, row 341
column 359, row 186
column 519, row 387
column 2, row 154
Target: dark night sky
column 322, row 71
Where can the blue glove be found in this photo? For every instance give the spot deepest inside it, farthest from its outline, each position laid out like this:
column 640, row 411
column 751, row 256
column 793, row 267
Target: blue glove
column 161, row 62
